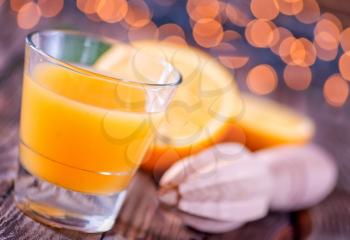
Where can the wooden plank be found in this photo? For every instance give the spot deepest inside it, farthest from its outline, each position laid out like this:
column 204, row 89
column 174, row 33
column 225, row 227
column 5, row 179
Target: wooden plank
column 9, row 108
column 15, row 225
column 328, row 220
column 275, row 226
column 143, row 218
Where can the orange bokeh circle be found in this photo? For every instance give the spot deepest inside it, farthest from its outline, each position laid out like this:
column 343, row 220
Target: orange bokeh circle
column 138, row 14
column 200, row 9
column 208, row 32
column 262, row 79
column 112, row 11
column 310, row 12
column 28, row 15
column 336, row 90
column 344, row 65
column 261, row 33
column 50, row 8
column 297, row 77
column 327, row 34
column 265, row 9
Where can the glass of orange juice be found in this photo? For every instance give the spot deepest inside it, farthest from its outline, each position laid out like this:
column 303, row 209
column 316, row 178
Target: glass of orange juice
column 84, row 130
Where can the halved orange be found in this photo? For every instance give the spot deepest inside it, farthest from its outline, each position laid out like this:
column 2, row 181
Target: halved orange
column 207, row 107
column 265, row 123
column 202, row 110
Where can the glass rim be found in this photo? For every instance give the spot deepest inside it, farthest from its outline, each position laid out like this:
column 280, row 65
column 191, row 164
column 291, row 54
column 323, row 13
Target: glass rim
column 103, row 77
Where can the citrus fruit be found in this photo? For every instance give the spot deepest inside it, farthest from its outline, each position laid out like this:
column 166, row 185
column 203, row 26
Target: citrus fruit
column 202, row 109
column 265, row 123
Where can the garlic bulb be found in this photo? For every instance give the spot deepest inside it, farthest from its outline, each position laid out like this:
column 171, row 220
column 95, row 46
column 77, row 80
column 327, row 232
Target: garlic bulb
column 225, row 186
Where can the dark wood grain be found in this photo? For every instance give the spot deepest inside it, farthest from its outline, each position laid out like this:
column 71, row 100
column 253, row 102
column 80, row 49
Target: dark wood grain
column 143, row 218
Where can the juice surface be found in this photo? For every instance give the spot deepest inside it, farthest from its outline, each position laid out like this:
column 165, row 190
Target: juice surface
column 76, row 131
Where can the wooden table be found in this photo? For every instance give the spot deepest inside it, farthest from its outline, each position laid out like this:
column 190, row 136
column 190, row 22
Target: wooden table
column 141, row 216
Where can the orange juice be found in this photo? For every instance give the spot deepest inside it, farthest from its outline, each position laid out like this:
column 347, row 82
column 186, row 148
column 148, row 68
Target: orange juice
column 78, row 132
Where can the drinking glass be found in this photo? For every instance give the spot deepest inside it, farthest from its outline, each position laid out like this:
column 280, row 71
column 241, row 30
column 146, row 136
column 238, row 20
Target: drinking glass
column 90, row 107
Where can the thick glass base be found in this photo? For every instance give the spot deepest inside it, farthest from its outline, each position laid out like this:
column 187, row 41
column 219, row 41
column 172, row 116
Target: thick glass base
column 62, row 208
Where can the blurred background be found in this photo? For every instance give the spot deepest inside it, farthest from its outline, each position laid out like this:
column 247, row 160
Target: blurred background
column 294, row 51
column 287, row 42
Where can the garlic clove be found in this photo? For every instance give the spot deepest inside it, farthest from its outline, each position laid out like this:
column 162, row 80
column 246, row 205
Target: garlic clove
column 239, row 211
column 209, row 225
column 202, row 162
column 302, row 175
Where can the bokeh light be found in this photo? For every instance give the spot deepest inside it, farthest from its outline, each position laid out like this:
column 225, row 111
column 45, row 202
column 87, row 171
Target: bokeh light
column 336, row 90
column 325, row 54
column 260, row 33
column 236, row 15
column 262, row 79
column 299, row 51
column 285, row 50
column 302, row 52
column 171, row 32
column 93, row 17
column 283, row 34
column 334, row 19
column 175, row 39
column 344, row 65
column 208, row 32
column 138, row 14
column 290, row 7
column 327, row 34
column 16, row 5
column 209, row 22
column 297, row 77
column 149, row 31
column 310, row 12
column 234, row 62
column 112, row 11
column 230, row 35
column 199, row 9
column 88, row 6
column 227, row 55
column 28, row 15
column 170, row 29
column 50, row 8
column 345, row 39
column 265, row 9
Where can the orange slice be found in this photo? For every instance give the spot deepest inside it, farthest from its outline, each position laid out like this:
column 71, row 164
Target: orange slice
column 265, row 123
column 202, row 110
